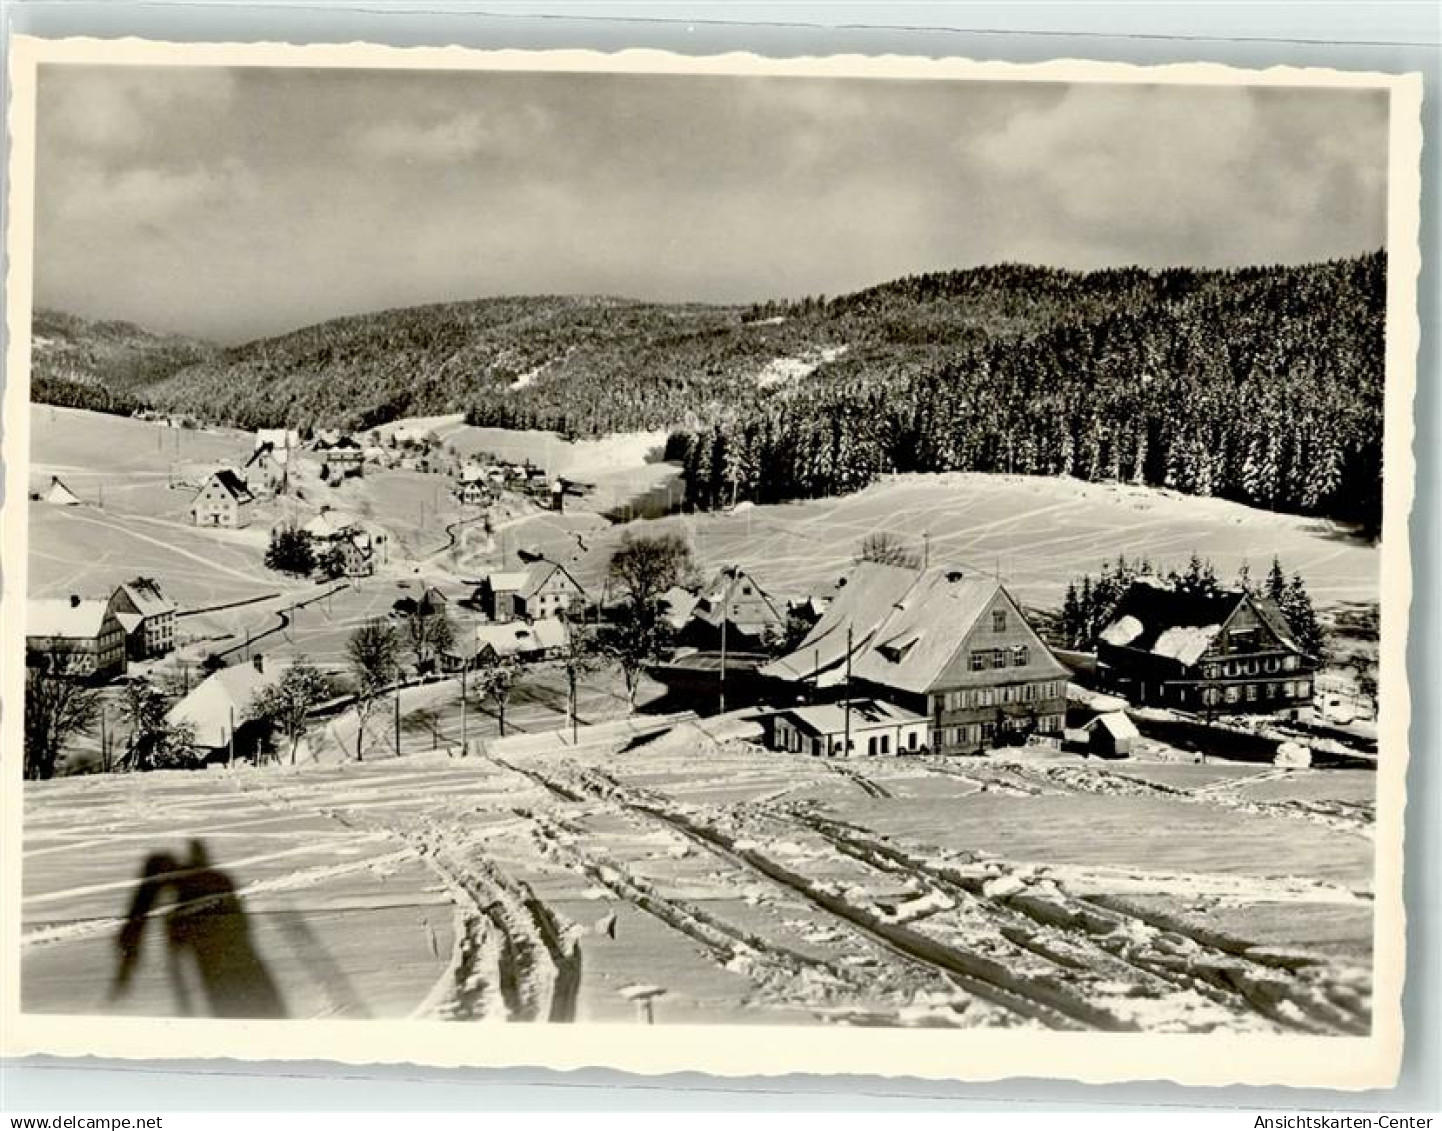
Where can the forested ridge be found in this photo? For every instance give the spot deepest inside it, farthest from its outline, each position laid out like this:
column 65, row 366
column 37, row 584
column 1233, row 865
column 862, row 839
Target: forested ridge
column 102, row 366
column 1262, row 385
column 1258, row 384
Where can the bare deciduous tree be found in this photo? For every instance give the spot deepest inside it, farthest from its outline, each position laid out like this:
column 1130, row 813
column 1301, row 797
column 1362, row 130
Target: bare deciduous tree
column 373, row 651
column 58, row 708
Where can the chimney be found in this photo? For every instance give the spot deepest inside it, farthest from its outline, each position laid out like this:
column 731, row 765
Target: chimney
column 259, row 661
column 954, row 575
column 75, row 600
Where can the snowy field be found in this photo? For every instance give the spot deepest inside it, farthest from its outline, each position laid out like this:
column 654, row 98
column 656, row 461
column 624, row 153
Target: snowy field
column 1038, row 534
column 710, row 881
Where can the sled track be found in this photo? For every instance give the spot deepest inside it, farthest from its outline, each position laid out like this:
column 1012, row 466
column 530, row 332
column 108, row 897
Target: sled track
column 1292, row 990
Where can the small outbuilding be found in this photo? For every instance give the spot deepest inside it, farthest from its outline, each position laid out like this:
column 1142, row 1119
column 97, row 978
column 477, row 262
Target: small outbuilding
column 838, row 730
column 1112, row 735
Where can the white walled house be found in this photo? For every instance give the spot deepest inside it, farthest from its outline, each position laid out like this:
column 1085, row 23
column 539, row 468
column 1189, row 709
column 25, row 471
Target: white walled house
column 223, row 500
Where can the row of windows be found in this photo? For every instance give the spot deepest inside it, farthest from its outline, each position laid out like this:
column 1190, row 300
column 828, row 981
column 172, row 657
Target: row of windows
column 985, row 658
column 993, row 696
column 980, row 734
column 876, row 744
column 1256, row 692
column 1269, row 664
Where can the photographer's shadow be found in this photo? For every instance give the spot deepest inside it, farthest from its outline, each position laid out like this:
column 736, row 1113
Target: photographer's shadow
column 207, row 935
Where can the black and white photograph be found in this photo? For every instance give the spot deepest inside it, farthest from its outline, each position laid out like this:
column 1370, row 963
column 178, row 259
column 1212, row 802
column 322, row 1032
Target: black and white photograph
column 696, row 552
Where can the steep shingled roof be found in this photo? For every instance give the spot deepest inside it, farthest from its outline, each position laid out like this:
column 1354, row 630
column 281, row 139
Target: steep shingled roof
column 906, row 629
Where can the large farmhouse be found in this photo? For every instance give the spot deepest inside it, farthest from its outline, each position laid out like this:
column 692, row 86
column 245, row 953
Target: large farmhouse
column 945, row 644
column 548, row 590
column 76, row 637
column 148, row 617
column 1232, row 652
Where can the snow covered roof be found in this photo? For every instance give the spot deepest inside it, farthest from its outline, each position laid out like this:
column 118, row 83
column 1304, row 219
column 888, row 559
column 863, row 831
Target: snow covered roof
column 219, row 702
column 734, row 595
column 540, row 573
column 331, row 524
column 509, row 639
column 277, row 438
column 866, row 714
column 1116, row 723
column 1182, row 626
column 906, row 629
column 507, row 581
column 870, row 592
column 129, row 621
column 65, row 617
column 145, row 595
column 61, row 495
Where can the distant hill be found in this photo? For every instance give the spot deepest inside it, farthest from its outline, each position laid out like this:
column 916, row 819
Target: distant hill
column 1261, row 384
column 101, row 365
column 591, row 365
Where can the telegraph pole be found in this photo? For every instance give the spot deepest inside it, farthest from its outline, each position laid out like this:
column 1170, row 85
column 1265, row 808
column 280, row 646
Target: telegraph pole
column 846, row 748
column 397, row 700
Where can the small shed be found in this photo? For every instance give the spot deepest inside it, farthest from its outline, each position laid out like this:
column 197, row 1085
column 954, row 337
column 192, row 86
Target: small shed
column 1112, row 735
column 60, row 495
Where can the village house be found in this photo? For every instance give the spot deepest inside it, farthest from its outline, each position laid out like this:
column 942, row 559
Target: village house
column 832, row 730
column 148, row 617
column 1229, row 653
column 733, row 599
column 943, row 643
column 363, row 546
column 548, row 591
column 485, row 642
column 74, row 636
column 341, row 457
column 223, row 500
column 473, row 486
column 266, row 471
column 218, row 711
column 496, row 594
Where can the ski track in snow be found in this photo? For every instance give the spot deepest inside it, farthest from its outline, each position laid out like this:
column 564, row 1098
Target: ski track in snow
column 814, row 912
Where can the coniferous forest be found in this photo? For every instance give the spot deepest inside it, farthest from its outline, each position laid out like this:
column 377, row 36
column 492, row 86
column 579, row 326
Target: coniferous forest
column 1260, row 385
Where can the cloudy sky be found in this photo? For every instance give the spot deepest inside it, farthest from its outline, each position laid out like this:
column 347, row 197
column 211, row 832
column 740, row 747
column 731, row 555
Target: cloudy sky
column 233, row 203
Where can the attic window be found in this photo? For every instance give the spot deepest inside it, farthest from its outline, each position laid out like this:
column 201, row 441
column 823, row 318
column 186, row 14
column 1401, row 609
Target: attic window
column 998, row 620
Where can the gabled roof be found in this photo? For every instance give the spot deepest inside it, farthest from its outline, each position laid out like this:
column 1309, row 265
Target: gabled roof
column 220, row 701
column 1116, row 723
column 724, row 598
column 1181, row 626
column 233, row 485
column 866, row 600
column 542, row 572
column 145, row 595
column 268, row 451
column 61, row 495
column 506, row 581
column 906, row 629
column 63, row 617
